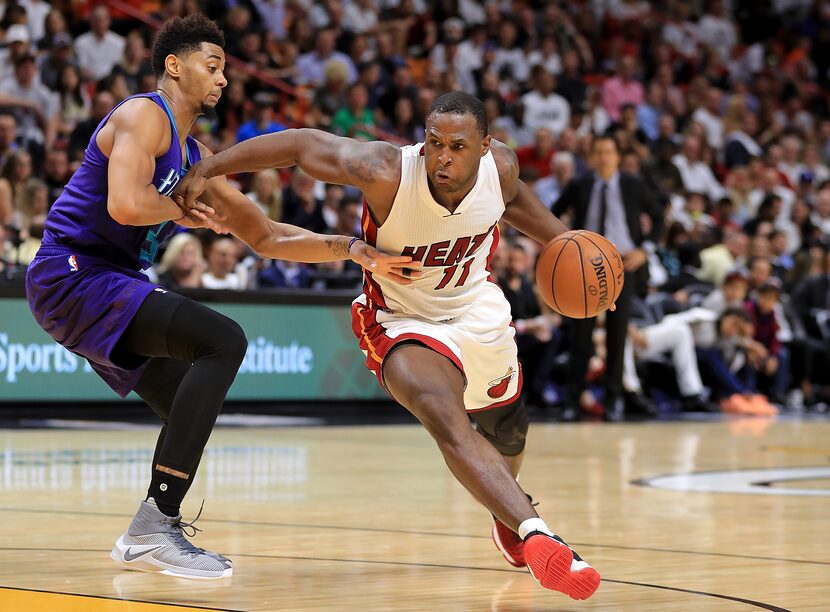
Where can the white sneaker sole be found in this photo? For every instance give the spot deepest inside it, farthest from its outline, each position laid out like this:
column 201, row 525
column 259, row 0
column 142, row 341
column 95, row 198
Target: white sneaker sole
column 147, row 563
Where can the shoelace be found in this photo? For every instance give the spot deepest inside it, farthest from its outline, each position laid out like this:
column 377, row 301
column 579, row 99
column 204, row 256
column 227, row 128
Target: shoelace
column 185, row 526
column 180, row 529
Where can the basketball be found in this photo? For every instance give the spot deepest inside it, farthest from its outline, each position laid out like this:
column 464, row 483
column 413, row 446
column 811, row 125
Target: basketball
column 580, row 274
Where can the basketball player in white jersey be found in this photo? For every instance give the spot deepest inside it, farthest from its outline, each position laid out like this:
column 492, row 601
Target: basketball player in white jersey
column 440, row 342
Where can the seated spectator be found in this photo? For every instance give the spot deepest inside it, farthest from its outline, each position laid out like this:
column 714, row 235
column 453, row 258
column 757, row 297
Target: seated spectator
column 74, row 101
column 355, row 120
column 731, row 294
column 331, row 95
column 331, row 204
column 116, row 84
column 13, row 176
column 543, row 107
column 771, row 184
column 311, row 66
column 28, row 249
column 648, row 113
column 694, row 216
column 279, row 274
column 672, row 335
column 402, row 123
column 222, row 259
column 32, row 205
column 182, row 264
column 539, row 155
column 102, row 103
column 18, row 44
column 697, row 176
column 760, row 271
column 299, row 206
column 709, row 116
column 689, row 256
column 9, row 141
column 821, row 211
column 266, row 193
column 782, row 259
column 741, row 146
column 100, row 49
column 262, row 121
column 56, row 173
column 54, row 26
column 8, row 251
column 58, row 56
column 622, row 88
column 549, row 188
column 34, row 105
column 768, row 212
column 348, row 218
column 537, row 337
column 134, row 64
column 571, row 84
column 727, row 370
column 719, row 259
column 773, row 366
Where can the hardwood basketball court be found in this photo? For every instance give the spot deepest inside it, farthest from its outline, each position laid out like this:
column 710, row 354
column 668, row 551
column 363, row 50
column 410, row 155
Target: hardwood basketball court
column 369, row 518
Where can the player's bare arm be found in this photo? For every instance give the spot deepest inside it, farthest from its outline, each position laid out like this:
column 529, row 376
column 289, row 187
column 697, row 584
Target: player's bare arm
column 524, row 210
column 372, row 167
column 284, row 241
column 133, row 137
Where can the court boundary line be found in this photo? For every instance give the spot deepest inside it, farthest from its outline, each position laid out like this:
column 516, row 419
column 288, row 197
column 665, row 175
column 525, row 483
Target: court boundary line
column 645, row 481
column 426, row 533
column 109, row 598
column 751, row 602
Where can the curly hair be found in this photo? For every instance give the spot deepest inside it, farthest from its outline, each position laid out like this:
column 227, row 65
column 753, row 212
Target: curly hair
column 182, row 36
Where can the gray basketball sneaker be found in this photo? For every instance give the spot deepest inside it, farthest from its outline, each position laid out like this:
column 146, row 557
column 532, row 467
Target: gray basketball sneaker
column 155, row 542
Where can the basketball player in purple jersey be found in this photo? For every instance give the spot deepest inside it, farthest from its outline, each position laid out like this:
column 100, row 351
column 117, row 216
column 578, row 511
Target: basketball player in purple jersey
column 86, row 290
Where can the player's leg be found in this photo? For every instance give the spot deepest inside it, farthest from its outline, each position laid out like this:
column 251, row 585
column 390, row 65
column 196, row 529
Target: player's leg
column 432, row 389
column 169, row 326
column 211, row 347
column 158, row 387
column 505, row 428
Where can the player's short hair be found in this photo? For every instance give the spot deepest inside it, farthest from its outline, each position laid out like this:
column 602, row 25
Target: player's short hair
column 183, row 36
column 461, row 103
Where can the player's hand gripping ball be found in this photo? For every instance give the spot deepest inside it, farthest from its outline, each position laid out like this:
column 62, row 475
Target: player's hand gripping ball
column 580, row 274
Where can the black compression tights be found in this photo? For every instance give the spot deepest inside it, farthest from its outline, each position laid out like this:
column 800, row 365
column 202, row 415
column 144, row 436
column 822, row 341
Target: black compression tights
column 195, row 353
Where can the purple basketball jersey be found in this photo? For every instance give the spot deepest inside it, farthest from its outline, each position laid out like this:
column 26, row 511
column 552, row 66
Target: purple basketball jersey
column 79, row 218
column 84, row 286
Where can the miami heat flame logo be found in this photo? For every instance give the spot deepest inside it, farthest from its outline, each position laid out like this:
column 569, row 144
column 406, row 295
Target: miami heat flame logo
column 499, row 386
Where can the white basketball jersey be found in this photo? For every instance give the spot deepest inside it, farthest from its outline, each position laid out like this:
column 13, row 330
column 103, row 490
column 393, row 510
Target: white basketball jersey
column 454, row 248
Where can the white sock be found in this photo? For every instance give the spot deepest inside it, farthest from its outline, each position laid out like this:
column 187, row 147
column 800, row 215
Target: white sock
column 533, row 524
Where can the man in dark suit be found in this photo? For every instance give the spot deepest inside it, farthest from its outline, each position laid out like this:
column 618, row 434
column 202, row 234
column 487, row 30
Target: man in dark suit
column 617, row 206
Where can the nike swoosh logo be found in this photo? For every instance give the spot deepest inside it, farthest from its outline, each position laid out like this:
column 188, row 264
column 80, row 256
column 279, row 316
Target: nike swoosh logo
column 129, row 556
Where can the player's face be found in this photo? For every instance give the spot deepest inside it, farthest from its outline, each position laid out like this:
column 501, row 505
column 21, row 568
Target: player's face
column 453, row 150
column 204, row 77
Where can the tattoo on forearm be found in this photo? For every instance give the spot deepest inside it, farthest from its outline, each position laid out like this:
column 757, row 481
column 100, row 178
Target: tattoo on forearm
column 338, row 246
column 364, row 168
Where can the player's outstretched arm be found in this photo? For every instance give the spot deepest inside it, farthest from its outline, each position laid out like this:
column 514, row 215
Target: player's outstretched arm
column 283, row 241
column 332, row 159
column 524, row 210
column 132, row 139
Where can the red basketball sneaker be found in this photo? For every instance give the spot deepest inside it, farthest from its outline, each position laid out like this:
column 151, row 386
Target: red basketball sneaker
column 555, row 566
column 509, row 543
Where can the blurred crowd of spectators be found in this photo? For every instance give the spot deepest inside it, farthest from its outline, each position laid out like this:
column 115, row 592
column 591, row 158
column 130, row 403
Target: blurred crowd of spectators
column 720, row 106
